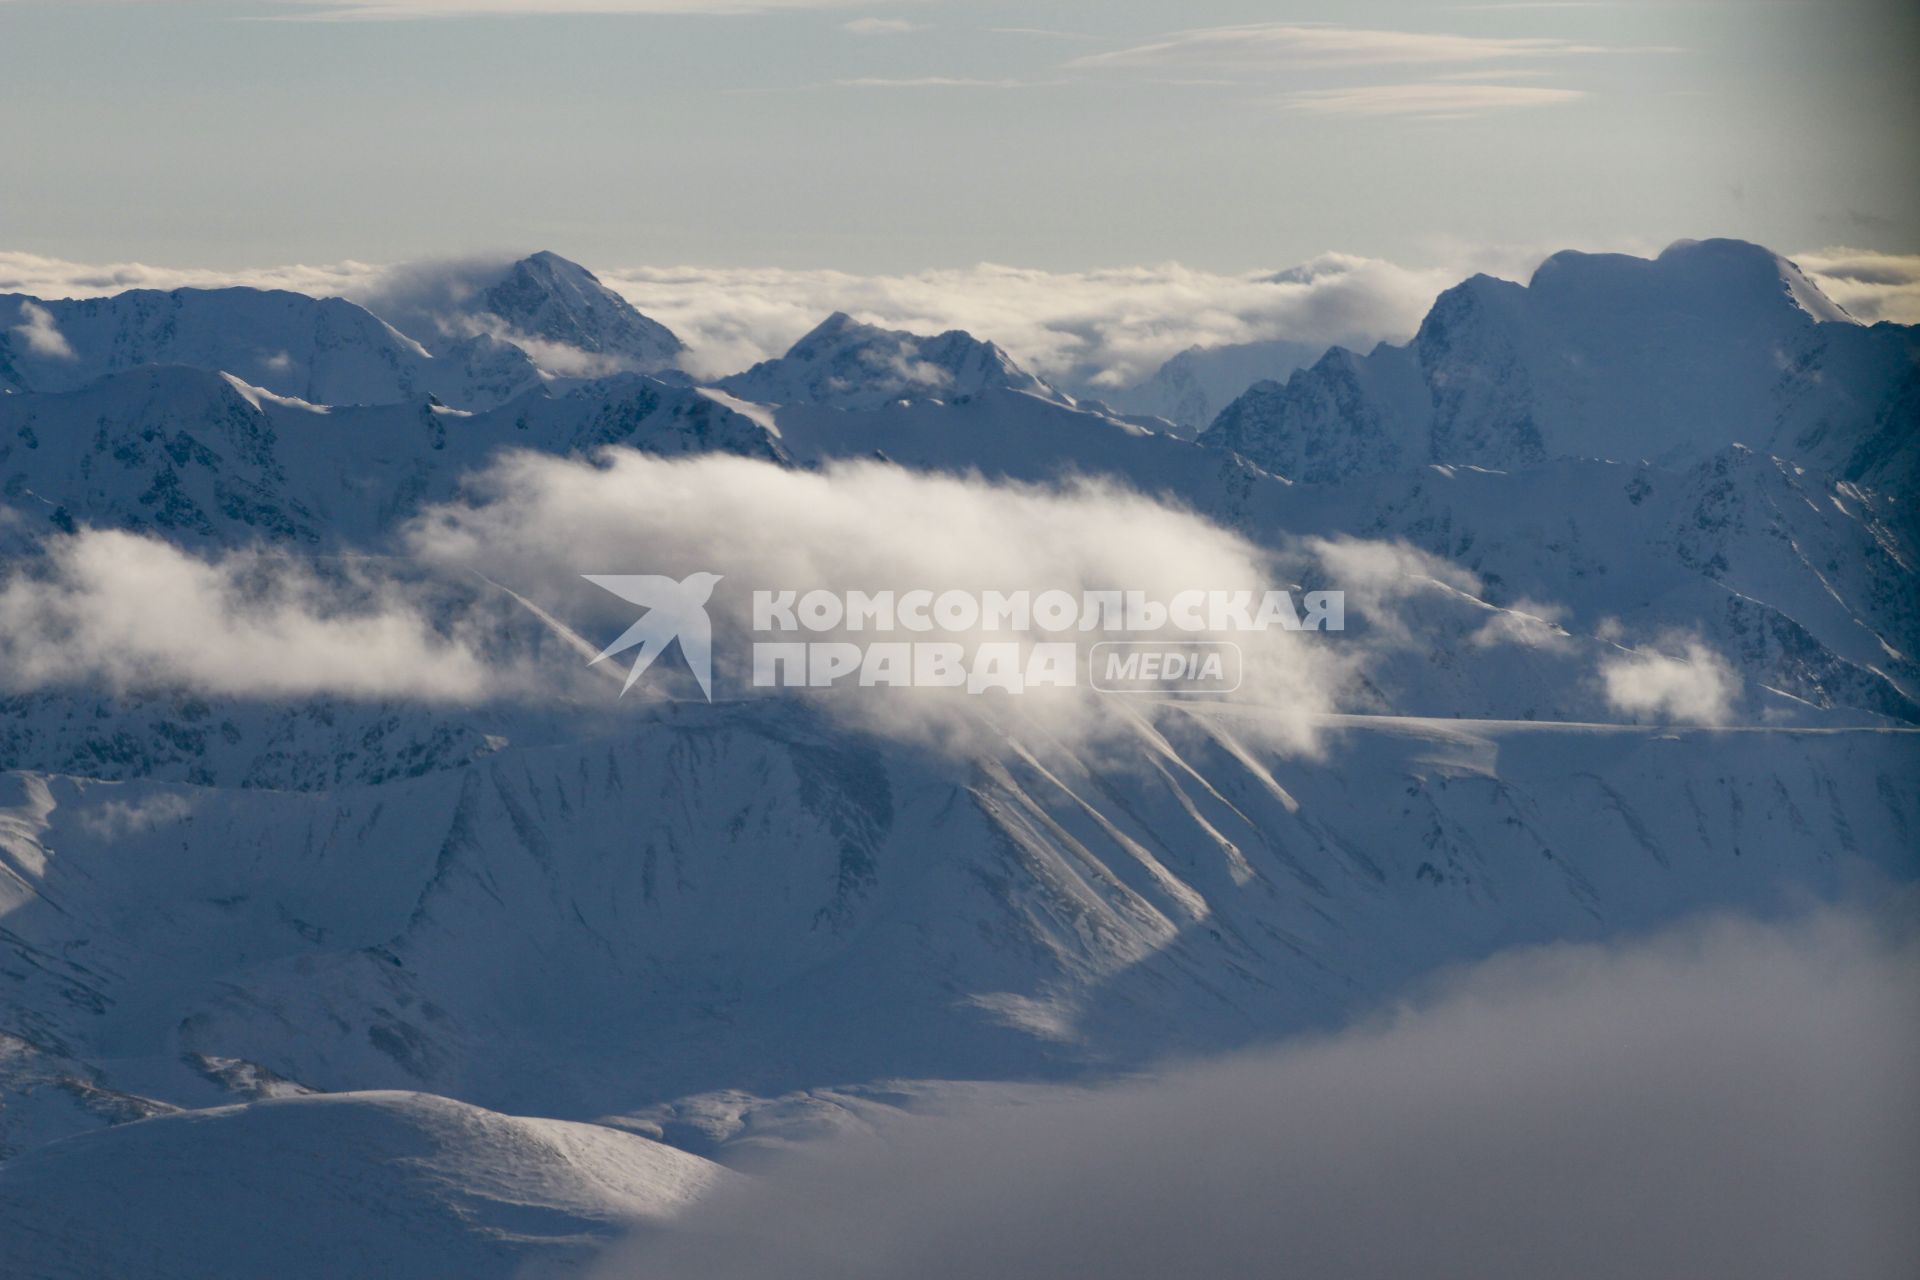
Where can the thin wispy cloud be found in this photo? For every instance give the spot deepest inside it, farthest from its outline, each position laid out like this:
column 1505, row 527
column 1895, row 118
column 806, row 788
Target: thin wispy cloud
column 939, row 82
column 402, row 10
column 878, row 26
column 1448, row 99
column 1543, row 4
column 1494, row 73
column 1267, row 45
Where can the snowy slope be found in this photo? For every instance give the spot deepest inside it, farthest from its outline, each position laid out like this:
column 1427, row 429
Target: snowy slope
column 741, row 895
column 573, row 324
column 358, row 1184
column 1795, row 576
column 198, row 455
column 843, row 364
column 324, row 350
column 535, row 321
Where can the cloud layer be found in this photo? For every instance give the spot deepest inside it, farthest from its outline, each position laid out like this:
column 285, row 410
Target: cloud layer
column 1729, row 1099
column 1871, row 286
column 1267, row 45
column 489, row 603
column 1434, row 99
column 540, row 522
column 399, row 10
column 1104, row 328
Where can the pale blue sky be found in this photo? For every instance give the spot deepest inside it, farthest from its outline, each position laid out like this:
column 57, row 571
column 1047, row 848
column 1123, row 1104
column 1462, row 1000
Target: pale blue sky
column 194, row 133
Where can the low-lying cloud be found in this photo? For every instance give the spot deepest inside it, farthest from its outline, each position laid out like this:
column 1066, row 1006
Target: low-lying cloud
column 133, row 612
column 488, row 603
column 1102, row 329
column 46, row 277
column 40, row 334
column 1681, row 681
column 1729, row 1099
column 537, row 523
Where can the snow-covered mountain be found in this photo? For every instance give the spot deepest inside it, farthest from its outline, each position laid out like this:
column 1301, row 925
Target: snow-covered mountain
column 201, row 455
column 339, row 1184
column 323, row 350
column 751, row 898
column 551, row 931
column 1666, row 360
column 844, row 364
column 536, row 321
column 554, row 309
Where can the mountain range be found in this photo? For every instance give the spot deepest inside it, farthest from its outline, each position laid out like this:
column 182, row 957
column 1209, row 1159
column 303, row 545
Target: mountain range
column 514, row 972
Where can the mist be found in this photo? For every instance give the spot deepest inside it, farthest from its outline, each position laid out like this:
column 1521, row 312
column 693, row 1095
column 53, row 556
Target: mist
column 1732, row 1098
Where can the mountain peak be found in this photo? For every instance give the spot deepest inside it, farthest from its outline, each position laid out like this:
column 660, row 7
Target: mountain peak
column 1709, row 278
column 1600, row 355
column 572, row 323
column 835, row 329
column 847, row 364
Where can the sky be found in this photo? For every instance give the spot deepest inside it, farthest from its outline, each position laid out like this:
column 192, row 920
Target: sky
column 1063, row 135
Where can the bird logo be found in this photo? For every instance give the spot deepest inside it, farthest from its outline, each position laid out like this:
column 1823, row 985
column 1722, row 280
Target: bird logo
column 675, row 611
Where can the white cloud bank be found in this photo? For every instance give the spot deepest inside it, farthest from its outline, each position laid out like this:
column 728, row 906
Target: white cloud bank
column 1103, row 328
column 46, row 277
column 1730, row 1099
column 135, row 612
column 538, row 522
column 489, row 603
